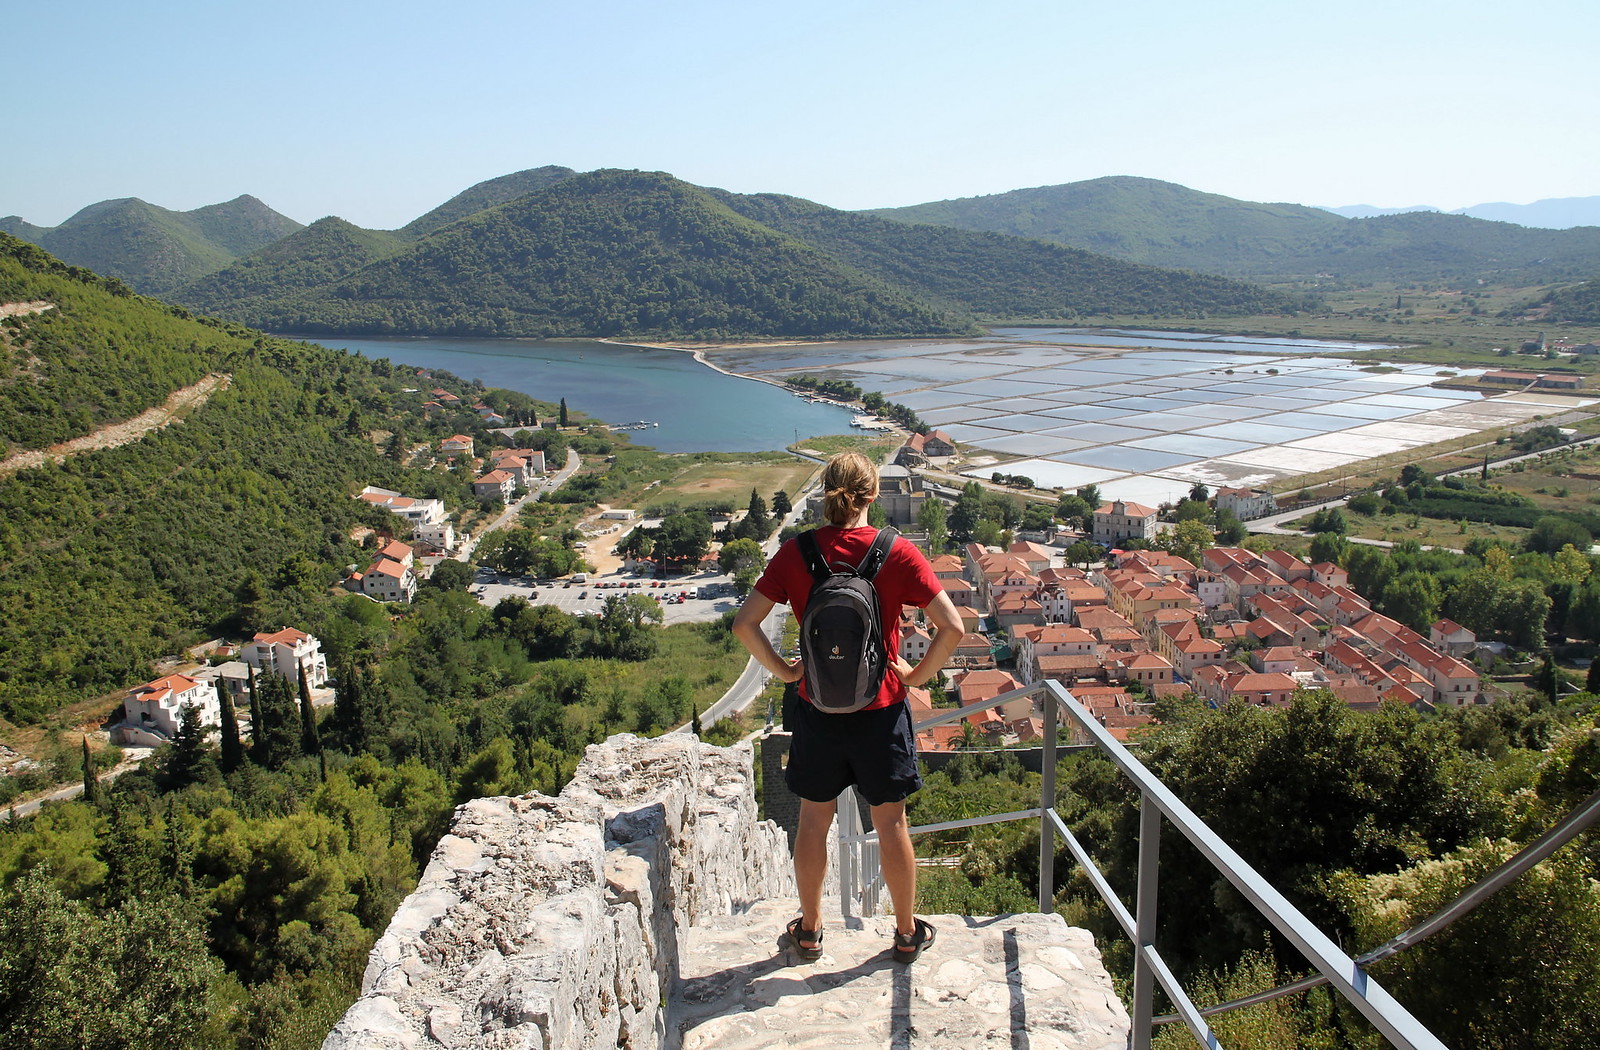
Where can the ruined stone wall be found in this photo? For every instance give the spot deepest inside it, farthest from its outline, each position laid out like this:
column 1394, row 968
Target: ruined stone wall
column 553, row 922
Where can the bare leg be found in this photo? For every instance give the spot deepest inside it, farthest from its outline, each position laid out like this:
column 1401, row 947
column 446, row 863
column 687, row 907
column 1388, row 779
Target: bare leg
column 811, row 860
column 899, row 862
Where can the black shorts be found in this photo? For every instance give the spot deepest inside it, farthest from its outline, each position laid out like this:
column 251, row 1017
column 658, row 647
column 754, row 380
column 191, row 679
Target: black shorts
column 873, row 750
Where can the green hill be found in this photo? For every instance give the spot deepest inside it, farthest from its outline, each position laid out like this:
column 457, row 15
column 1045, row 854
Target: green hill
column 326, row 251
column 1163, row 224
column 237, row 518
column 486, row 195
column 22, row 229
column 153, row 249
column 600, row 254
column 1005, row 277
column 1579, row 303
column 613, row 253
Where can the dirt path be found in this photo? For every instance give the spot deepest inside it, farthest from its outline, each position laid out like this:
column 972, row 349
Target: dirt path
column 19, row 309
column 113, row 434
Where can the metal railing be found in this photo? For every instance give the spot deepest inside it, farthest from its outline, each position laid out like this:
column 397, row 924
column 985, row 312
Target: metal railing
column 859, row 881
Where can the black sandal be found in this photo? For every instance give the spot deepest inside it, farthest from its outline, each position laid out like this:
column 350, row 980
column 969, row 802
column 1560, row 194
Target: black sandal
column 797, row 933
column 907, row 946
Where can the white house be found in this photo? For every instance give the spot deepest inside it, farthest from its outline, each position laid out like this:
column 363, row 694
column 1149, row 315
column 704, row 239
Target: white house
column 285, row 652
column 416, row 511
column 440, row 537
column 154, row 711
column 1247, row 503
column 386, row 581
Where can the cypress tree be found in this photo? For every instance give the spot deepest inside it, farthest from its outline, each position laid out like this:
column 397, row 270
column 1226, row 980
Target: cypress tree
column 258, row 742
column 376, row 711
column 232, row 747
column 188, row 748
column 91, row 784
column 178, row 854
column 347, row 702
column 310, row 743
column 280, row 729
column 563, row 412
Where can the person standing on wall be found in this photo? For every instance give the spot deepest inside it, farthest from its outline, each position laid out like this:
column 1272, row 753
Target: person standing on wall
column 873, row 748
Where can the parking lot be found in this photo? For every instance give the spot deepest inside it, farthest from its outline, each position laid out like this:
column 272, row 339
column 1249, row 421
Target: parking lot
column 679, row 596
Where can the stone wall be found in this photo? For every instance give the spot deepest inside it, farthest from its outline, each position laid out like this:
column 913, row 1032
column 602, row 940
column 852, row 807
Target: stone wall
column 553, row 922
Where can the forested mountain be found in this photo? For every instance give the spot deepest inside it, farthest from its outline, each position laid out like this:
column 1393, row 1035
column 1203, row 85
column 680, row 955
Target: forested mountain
column 1164, row 224
column 484, row 195
column 118, row 556
column 151, row 248
column 326, row 251
column 998, row 276
column 637, row 253
column 603, row 253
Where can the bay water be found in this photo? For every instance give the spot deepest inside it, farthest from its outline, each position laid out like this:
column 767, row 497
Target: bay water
column 698, row 408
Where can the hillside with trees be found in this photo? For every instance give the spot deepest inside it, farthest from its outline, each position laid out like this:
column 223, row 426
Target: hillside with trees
column 1004, row 277
column 154, row 249
column 643, row 254
column 326, row 251
column 484, row 195
column 602, row 254
column 1163, row 224
column 253, row 875
column 1579, row 303
column 239, row 517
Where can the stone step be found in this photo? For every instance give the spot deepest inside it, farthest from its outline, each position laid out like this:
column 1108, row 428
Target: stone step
column 1008, row 981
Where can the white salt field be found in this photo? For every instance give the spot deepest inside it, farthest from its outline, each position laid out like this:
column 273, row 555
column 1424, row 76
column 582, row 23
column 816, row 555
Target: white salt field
column 1145, row 415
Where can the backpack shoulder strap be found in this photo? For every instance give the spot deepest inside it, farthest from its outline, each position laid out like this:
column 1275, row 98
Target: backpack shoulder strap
column 813, row 555
column 878, row 553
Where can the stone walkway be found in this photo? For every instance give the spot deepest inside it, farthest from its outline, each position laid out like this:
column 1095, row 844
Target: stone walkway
column 1027, row 982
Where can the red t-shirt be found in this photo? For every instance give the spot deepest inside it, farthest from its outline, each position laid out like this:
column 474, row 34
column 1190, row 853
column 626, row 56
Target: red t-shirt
column 905, row 579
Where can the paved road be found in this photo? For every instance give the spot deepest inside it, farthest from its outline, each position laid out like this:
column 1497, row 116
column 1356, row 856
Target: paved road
column 754, row 677
column 131, row 757
column 509, row 515
column 1272, row 525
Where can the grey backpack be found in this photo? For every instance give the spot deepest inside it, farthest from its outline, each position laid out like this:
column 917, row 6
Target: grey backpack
column 841, row 633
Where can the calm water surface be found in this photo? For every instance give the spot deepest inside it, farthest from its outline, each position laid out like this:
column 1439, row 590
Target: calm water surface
column 698, row 408
column 701, row 409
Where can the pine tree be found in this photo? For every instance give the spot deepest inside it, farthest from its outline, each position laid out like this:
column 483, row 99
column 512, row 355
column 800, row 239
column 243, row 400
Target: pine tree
column 250, row 601
column 188, row 748
column 780, row 503
column 1592, row 683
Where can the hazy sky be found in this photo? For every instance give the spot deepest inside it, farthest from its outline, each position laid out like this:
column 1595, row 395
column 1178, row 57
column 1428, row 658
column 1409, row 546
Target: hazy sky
column 378, row 111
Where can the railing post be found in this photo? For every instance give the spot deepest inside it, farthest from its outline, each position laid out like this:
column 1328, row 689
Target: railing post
column 846, row 824
column 1144, row 976
column 1047, row 802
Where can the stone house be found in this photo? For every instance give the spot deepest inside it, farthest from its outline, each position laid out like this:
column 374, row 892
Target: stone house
column 1122, row 520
